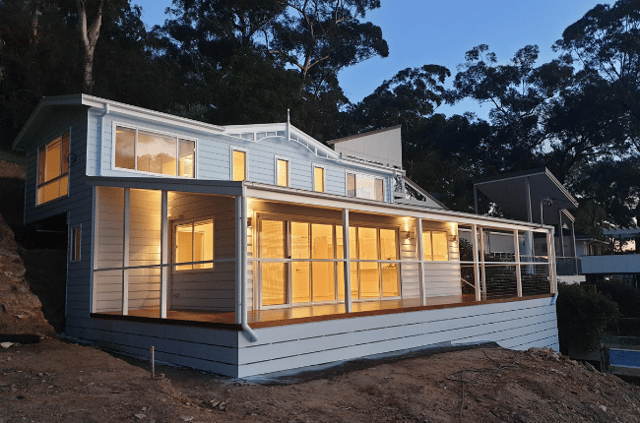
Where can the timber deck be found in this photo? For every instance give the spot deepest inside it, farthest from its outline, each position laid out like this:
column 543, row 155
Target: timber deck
column 300, row 314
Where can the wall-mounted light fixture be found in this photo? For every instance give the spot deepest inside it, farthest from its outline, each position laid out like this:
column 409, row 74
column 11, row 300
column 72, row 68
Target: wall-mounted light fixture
column 405, row 234
column 248, row 222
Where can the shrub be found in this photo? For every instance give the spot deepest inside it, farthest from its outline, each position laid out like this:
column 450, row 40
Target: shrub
column 583, row 318
column 627, row 297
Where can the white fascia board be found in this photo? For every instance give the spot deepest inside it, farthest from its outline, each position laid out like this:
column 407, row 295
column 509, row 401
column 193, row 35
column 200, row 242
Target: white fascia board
column 337, row 202
column 148, row 114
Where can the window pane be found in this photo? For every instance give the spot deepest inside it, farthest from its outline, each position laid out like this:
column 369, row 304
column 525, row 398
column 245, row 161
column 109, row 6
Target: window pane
column 203, row 243
column 300, row 277
column 239, row 165
column 125, row 148
column 427, row 251
column 52, row 160
column 156, row 153
column 353, row 253
column 272, row 239
column 368, row 250
column 63, row 186
column 184, row 246
column 388, row 251
column 318, row 179
column 283, row 173
column 186, row 158
column 351, row 185
column 379, row 190
column 274, row 276
column 324, row 286
column 440, row 246
column 365, row 187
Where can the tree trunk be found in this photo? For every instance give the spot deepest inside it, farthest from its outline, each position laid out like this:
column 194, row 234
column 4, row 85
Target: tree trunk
column 89, row 37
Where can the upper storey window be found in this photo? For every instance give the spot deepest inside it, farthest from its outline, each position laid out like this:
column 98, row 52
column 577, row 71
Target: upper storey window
column 53, row 170
column 150, row 152
column 365, row 186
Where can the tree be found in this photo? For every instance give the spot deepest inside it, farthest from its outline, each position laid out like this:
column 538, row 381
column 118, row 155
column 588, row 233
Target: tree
column 312, row 32
column 406, row 99
column 89, row 35
column 606, row 42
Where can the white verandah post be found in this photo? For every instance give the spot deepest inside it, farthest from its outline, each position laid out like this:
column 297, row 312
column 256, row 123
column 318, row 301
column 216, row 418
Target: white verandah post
column 516, row 248
column 126, row 218
column 347, row 260
column 239, row 272
column 476, row 261
column 421, row 278
column 552, row 261
column 164, row 248
column 483, row 267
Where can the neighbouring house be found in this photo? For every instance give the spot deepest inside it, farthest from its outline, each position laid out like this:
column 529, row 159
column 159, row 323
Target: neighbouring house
column 623, row 264
column 244, row 250
column 538, row 196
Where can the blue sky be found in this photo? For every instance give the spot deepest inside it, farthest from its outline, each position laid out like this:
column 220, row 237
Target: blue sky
column 423, row 32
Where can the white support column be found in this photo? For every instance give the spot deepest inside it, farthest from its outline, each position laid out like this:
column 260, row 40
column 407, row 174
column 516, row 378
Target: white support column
column 528, row 236
column 552, row 261
column 476, row 261
column 482, row 262
column 516, row 247
column 347, row 260
column 563, row 255
column 243, row 260
column 126, row 219
column 421, row 278
column 574, row 254
column 164, row 248
column 239, row 223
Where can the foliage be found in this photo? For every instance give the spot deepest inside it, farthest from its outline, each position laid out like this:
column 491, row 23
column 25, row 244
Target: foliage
column 583, row 317
column 627, row 297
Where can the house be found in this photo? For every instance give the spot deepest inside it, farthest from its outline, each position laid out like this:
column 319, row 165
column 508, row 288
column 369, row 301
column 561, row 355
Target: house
column 244, row 250
column 536, row 195
column 623, row 265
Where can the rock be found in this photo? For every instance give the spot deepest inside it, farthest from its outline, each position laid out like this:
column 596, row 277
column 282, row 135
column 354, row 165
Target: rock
column 6, row 344
column 139, row 416
column 603, row 408
column 589, row 367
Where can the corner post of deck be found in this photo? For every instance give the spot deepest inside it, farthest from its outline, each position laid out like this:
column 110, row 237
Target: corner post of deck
column 239, row 274
column 164, row 248
column 421, row 279
column 553, row 281
column 347, row 259
column 476, row 261
column 516, row 249
column 126, row 220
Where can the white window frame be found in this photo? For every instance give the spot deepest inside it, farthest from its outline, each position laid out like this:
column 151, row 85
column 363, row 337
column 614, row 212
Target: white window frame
column 233, row 148
column 115, row 124
column 367, row 175
column 174, row 246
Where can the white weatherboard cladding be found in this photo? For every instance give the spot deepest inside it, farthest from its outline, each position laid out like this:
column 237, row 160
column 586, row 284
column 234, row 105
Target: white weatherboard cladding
column 517, row 325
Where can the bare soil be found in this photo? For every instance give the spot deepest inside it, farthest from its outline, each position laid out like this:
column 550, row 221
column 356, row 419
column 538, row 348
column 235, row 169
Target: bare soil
column 43, row 379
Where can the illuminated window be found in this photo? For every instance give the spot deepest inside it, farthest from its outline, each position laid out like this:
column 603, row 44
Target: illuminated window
column 53, row 170
column 435, row 246
column 74, row 244
column 318, row 179
column 365, row 186
column 194, row 245
column 155, row 153
column 239, row 165
column 282, row 169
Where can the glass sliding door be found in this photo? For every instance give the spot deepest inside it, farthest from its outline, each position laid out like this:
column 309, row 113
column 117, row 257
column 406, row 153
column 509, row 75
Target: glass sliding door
column 324, row 284
column 300, row 274
column 369, row 271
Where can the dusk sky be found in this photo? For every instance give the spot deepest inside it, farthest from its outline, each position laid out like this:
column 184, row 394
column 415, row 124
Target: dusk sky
column 423, row 32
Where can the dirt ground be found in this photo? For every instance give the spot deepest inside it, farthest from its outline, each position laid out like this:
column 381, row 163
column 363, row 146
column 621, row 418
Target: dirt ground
column 54, row 381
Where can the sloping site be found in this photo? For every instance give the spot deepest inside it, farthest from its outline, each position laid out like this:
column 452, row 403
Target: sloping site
column 46, row 379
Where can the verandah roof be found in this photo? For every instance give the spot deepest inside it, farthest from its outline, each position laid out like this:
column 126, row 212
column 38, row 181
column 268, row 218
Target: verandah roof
column 309, row 198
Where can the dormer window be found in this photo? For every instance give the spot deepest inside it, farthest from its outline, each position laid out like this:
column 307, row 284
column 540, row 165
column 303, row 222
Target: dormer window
column 154, row 153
